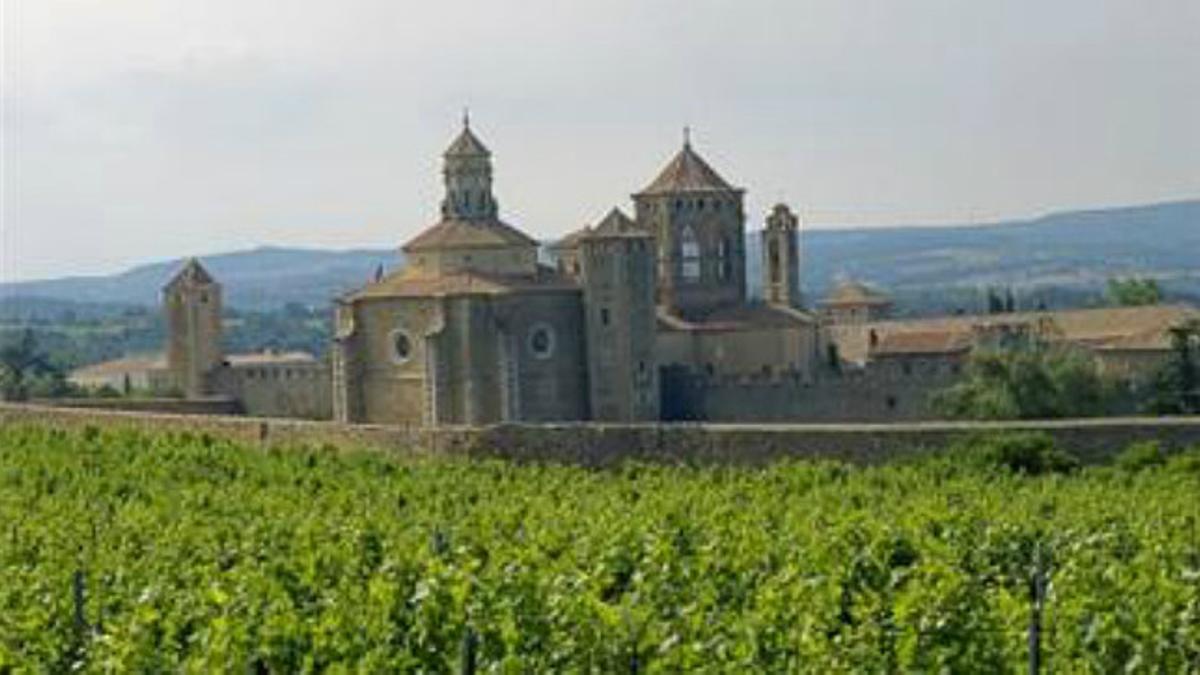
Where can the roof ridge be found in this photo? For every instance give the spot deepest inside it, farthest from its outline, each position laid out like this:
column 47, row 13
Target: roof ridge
column 687, row 171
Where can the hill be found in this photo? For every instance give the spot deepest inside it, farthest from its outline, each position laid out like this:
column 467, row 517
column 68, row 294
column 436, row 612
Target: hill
column 1063, row 259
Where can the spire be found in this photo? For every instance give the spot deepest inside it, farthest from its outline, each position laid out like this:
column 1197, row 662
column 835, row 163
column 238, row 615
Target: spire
column 687, row 172
column 466, row 117
column 192, row 274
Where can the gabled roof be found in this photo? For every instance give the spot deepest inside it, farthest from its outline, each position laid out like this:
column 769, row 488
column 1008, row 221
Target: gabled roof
column 126, row 364
column 614, row 225
column 922, row 342
column 687, row 172
column 1107, row 329
column 467, row 143
column 453, row 233
column 193, row 273
column 617, row 224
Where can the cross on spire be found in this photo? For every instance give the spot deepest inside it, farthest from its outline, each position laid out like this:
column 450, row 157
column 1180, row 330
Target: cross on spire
column 687, row 136
column 466, row 117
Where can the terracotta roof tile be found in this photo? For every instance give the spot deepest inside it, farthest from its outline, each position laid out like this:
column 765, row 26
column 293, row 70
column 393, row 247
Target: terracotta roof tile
column 1113, row 328
column 453, row 233
column 922, row 342
column 192, row 272
column 402, row 285
column 127, row 364
column 270, row 358
column 687, row 172
column 466, row 143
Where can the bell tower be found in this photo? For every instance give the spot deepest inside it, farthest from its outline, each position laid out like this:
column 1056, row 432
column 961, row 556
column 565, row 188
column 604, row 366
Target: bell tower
column 467, row 172
column 192, row 301
column 781, row 257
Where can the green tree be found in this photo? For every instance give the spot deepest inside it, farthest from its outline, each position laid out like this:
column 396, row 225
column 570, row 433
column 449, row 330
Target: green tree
column 1133, row 291
column 21, row 361
column 1175, row 389
column 1026, row 379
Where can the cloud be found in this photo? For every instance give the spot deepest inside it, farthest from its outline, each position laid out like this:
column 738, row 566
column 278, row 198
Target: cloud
column 154, row 128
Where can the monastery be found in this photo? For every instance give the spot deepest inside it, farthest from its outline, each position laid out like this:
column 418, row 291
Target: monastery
column 642, row 316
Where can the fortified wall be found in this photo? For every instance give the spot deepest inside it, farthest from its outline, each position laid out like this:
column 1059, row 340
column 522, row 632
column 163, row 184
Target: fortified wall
column 1092, row 440
column 850, row 398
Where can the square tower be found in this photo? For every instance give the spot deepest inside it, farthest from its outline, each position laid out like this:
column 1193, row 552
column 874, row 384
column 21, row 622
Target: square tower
column 698, row 222
column 617, row 273
column 781, row 258
column 192, row 303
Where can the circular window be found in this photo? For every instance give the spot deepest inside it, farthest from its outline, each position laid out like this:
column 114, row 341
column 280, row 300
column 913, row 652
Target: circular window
column 401, row 346
column 541, row 341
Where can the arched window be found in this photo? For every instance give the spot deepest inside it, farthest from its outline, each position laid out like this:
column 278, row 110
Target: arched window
column 724, row 259
column 689, row 249
column 773, row 259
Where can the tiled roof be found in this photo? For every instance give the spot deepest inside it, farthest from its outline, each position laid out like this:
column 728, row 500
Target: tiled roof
column 687, row 172
column 467, row 143
column 855, row 293
column 128, row 364
column 402, row 285
column 1105, row 329
column 453, row 233
column 922, row 342
column 617, row 224
column 191, row 273
column 614, row 225
column 268, row 358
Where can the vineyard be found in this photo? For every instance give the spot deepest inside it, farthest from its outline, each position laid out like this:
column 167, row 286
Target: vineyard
column 124, row 551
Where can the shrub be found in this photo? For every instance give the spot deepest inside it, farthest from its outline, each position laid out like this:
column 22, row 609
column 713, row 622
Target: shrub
column 1028, row 453
column 1141, row 455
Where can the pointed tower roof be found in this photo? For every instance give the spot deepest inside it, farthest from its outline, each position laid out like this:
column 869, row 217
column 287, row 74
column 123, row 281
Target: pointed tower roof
column 467, row 143
column 617, row 224
column 469, row 218
column 450, row 234
column 192, row 274
column 687, row 172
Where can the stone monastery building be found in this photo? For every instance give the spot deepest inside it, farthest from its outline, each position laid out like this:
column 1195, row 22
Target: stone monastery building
column 635, row 318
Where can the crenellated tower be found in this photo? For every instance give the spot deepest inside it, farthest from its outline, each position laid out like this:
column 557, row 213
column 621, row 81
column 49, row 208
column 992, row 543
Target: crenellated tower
column 781, row 257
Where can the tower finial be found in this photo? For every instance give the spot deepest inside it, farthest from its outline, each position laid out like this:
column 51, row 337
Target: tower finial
column 466, row 117
column 687, row 136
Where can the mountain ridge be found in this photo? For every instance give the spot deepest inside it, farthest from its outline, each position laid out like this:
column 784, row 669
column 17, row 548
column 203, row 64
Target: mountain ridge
column 1072, row 252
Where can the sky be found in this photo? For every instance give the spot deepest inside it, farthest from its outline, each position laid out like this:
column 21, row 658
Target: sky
column 139, row 130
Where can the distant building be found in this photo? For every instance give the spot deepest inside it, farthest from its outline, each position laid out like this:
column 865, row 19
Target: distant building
column 639, row 318
column 853, row 302
column 194, row 365
column 128, row 374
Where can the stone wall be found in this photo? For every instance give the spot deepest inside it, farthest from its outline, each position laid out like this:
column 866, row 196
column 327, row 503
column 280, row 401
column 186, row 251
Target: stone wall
column 1092, row 441
column 210, row 405
column 875, row 395
column 283, row 389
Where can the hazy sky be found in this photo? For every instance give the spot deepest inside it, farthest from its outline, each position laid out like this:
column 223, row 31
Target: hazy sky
column 148, row 129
